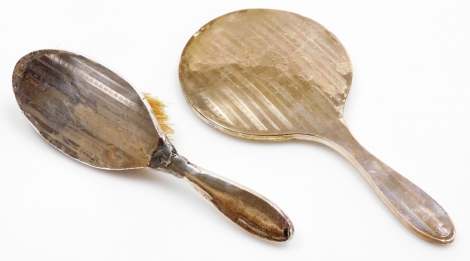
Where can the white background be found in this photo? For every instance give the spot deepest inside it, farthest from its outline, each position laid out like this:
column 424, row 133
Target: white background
column 408, row 105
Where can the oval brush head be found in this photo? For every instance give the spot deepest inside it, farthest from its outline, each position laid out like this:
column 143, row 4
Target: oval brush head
column 158, row 109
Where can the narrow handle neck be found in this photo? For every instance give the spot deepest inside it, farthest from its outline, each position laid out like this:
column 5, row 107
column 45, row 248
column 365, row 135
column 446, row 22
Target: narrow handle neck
column 246, row 208
column 411, row 205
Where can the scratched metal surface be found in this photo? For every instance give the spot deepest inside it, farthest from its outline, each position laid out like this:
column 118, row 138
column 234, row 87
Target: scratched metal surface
column 84, row 110
column 266, row 73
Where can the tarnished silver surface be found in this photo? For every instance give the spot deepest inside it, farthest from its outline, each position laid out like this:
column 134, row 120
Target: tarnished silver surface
column 274, row 75
column 94, row 116
column 85, row 110
column 244, row 207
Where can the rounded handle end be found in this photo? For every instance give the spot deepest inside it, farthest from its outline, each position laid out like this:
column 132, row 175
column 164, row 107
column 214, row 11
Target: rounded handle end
column 246, row 208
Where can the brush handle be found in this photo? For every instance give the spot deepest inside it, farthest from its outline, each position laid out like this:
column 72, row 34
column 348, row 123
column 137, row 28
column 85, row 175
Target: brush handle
column 410, row 204
column 246, row 208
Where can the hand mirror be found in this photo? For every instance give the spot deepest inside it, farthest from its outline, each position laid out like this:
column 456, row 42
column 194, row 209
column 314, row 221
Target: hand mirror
column 275, row 75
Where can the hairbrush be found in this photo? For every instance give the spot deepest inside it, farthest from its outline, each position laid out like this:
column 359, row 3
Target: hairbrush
column 94, row 116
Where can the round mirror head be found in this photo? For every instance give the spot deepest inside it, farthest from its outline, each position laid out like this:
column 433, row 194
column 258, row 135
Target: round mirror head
column 266, row 74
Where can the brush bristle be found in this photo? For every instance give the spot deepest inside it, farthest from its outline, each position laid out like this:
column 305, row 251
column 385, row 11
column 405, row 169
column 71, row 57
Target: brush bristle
column 158, row 109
